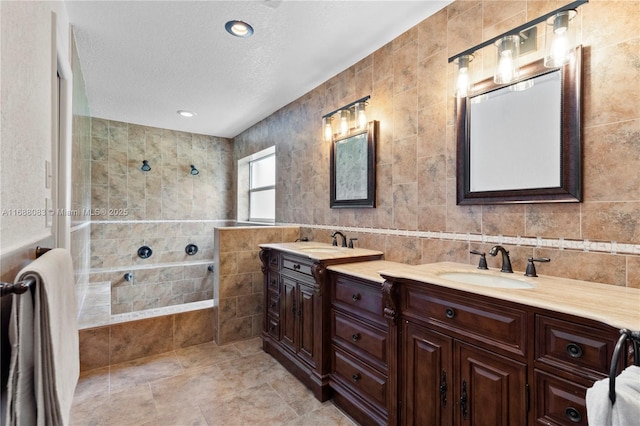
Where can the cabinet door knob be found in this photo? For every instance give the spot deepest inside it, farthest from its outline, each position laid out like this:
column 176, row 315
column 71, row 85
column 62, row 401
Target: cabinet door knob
column 355, row 337
column 356, row 377
column 355, row 297
column 272, row 327
column 450, row 313
column 273, row 304
column 273, row 282
column 574, row 350
column 573, row 415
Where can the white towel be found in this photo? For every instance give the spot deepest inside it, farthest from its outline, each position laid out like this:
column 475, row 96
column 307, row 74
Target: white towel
column 626, row 410
column 43, row 330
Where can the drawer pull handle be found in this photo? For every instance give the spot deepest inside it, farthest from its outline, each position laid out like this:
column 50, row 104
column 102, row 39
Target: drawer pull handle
column 356, row 377
column 273, row 283
column 296, row 266
column 574, row 350
column 273, row 304
column 355, row 337
column 356, row 297
column 464, row 400
column 443, row 388
column 573, row 415
column 450, row 313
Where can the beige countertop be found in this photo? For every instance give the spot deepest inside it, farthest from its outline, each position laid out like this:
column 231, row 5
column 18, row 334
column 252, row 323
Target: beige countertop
column 367, row 270
column 320, row 251
column 613, row 305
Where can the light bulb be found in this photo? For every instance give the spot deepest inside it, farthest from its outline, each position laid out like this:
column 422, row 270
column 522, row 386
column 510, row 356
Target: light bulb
column 361, row 115
column 344, row 122
column 559, row 39
column 328, row 131
column 508, row 51
column 463, row 83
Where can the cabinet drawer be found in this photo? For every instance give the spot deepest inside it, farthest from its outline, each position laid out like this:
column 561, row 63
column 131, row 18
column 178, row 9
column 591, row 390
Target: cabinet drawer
column 296, row 264
column 357, row 337
column 359, row 297
column 361, row 379
column 273, row 306
column 273, row 281
column 559, row 402
column 273, row 327
column 574, row 346
column 274, row 260
column 488, row 322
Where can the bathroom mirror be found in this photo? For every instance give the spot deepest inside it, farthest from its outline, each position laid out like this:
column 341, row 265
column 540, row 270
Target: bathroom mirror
column 520, row 143
column 352, row 174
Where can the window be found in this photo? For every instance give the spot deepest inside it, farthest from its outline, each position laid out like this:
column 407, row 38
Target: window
column 257, row 187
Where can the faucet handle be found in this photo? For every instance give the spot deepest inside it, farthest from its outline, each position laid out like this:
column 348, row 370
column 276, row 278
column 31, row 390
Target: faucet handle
column 531, row 267
column 335, row 241
column 351, row 240
column 482, row 264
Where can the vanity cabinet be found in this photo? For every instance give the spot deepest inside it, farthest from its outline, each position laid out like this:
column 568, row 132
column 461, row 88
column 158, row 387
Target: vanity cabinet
column 463, row 360
column 362, row 351
column 470, row 359
column 296, row 315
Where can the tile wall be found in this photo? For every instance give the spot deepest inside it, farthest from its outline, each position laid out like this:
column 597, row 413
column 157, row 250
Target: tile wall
column 240, row 279
column 165, row 209
column 411, row 85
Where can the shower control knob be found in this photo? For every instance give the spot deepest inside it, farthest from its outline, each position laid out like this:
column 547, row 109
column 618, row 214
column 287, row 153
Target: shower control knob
column 145, row 252
column 191, row 249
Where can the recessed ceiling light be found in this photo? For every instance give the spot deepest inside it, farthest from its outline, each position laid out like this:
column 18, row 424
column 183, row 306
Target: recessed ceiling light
column 239, row 28
column 185, row 113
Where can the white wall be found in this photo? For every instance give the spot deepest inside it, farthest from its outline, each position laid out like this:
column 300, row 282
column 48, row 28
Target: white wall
column 27, row 66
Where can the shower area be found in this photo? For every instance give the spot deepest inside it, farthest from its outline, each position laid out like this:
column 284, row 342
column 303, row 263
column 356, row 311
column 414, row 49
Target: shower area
column 156, row 196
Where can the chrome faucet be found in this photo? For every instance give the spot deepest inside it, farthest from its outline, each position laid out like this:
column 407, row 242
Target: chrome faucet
column 506, row 262
column 344, row 238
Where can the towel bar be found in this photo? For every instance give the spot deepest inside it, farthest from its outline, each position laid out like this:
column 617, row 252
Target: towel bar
column 17, row 288
column 635, row 339
column 24, row 285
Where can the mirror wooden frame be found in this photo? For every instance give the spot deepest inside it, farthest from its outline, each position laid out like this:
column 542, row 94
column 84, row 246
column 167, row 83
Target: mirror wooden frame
column 570, row 189
column 340, row 171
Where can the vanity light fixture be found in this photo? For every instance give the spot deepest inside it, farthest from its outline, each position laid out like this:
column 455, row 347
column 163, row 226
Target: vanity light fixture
column 344, row 122
column 559, row 44
column 360, row 109
column 559, row 39
column 186, row 114
column 194, row 171
column 508, row 49
column 239, row 28
column 327, row 128
column 349, row 119
column 464, row 81
column 145, row 166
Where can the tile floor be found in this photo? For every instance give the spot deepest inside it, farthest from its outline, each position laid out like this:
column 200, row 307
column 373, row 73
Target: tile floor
column 235, row 384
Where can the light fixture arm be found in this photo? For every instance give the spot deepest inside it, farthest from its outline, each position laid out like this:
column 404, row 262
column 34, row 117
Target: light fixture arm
column 521, row 28
column 366, row 98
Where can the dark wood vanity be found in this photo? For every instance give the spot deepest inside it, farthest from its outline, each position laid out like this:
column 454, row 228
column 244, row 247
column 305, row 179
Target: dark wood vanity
column 393, row 348
column 296, row 314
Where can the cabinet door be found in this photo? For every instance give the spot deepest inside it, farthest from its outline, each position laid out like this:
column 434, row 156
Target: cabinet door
column 427, row 394
column 491, row 389
column 288, row 313
column 306, row 317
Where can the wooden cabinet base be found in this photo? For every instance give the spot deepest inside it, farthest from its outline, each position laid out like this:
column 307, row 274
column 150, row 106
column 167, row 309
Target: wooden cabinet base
column 318, row 385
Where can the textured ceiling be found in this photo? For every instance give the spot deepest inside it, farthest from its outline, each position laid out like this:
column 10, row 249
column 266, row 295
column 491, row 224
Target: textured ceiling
column 144, row 60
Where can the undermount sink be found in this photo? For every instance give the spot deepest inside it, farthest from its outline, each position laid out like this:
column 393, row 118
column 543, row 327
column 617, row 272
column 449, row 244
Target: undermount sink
column 321, row 249
column 476, row 278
